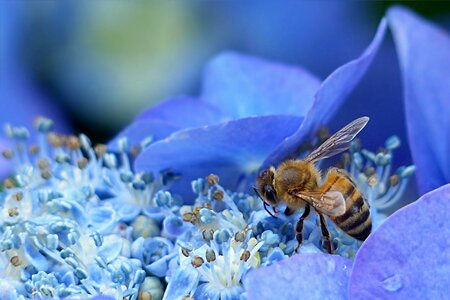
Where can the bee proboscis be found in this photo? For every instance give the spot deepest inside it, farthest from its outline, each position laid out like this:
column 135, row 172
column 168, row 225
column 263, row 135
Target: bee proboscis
column 299, row 184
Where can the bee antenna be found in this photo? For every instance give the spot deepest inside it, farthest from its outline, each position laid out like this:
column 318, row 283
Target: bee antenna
column 265, row 204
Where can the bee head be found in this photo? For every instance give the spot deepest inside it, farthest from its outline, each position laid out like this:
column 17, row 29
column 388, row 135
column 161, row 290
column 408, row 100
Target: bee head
column 265, row 187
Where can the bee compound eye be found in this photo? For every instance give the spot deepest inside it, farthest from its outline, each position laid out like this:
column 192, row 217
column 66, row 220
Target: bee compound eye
column 263, row 174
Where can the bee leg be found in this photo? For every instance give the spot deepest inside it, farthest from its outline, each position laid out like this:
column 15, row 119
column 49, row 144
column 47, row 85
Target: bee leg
column 289, row 211
column 299, row 227
column 326, row 234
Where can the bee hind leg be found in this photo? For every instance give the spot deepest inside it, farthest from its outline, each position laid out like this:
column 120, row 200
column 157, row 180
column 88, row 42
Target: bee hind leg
column 299, row 227
column 326, row 234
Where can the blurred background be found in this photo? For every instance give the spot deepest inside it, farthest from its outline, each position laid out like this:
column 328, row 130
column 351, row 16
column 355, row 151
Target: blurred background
column 93, row 65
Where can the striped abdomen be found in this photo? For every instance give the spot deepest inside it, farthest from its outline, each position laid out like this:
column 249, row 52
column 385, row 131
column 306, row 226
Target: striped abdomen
column 356, row 220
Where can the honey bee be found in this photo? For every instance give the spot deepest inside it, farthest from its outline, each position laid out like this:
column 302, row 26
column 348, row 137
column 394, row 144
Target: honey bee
column 298, row 183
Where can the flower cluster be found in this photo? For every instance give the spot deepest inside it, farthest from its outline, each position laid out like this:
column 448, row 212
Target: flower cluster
column 60, row 236
column 78, row 222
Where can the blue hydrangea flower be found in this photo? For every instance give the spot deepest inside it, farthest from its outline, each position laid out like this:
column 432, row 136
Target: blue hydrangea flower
column 241, row 87
column 424, row 54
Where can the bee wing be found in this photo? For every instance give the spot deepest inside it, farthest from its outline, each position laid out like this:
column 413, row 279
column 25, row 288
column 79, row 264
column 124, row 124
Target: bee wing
column 338, row 142
column 331, row 203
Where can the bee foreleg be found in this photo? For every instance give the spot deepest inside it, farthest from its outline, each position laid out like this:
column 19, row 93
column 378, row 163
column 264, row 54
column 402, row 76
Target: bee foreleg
column 299, row 227
column 326, row 234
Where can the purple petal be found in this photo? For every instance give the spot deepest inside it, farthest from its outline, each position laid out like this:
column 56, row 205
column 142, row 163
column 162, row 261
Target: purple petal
column 184, row 112
column 245, row 86
column 305, row 276
column 228, row 150
column 328, row 99
column 424, row 52
column 407, row 257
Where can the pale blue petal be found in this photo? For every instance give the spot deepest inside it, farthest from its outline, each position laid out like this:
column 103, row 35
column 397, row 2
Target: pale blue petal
column 101, row 297
column 174, row 225
column 111, row 247
column 32, row 254
column 127, row 212
column 328, row 99
column 244, row 86
column 183, row 281
column 408, row 256
column 158, row 268
column 424, row 54
column 303, row 276
column 102, row 219
column 137, row 248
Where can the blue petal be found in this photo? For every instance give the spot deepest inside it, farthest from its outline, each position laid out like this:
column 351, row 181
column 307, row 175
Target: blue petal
column 7, row 289
column 176, row 110
column 209, row 291
column 127, row 212
column 174, row 225
column 228, row 150
column 158, row 268
column 183, row 281
column 137, row 248
column 111, row 247
column 245, row 86
column 154, row 212
column 68, row 278
column 101, row 297
column 102, row 219
column 407, row 257
column 328, row 99
column 424, row 52
column 78, row 212
column 305, row 276
column 169, row 116
column 39, row 261
column 140, row 130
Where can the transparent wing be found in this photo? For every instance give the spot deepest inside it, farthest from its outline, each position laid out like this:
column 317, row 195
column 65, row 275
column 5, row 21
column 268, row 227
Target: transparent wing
column 331, row 203
column 338, row 142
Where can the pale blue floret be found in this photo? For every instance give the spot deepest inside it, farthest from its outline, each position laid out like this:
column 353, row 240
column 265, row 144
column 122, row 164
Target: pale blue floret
column 374, row 177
